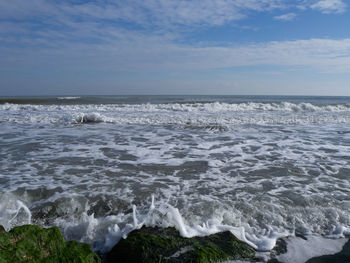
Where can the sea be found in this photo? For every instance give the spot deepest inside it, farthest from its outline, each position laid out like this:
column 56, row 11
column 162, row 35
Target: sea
column 262, row 167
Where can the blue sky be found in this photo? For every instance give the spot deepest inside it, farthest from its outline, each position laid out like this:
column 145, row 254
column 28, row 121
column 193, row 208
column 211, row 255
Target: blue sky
column 278, row 47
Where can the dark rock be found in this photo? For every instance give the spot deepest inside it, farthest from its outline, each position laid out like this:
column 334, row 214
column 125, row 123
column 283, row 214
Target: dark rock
column 300, row 235
column 149, row 245
column 31, row 243
column 279, row 248
column 341, row 257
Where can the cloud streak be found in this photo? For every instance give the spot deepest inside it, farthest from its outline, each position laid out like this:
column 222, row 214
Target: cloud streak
column 329, row 6
column 286, row 17
column 161, row 13
column 122, row 51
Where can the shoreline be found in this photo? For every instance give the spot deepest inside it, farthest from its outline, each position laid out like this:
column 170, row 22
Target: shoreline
column 154, row 244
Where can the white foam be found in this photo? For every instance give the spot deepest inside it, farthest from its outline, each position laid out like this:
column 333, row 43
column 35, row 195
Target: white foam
column 166, row 215
column 89, row 118
column 16, row 212
column 13, row 213
column 104, row 232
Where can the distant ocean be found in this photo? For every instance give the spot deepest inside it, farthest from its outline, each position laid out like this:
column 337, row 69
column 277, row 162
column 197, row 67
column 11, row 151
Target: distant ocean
column 263, row 167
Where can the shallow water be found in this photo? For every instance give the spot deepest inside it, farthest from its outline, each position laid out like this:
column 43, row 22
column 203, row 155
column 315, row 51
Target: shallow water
column 262, row 167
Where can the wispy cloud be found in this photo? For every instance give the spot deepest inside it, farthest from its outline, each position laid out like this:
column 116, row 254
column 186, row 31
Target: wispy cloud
column 122, row 51
column 286, row 17
column 161, row 13
column 330, row 6
column 156, row 12
column 158, row 16
column 130, row 35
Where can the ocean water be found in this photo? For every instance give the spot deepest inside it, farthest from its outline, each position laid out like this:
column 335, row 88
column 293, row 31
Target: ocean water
column 98, row 167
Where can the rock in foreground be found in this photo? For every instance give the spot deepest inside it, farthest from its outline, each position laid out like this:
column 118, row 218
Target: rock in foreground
column 31, row 243
column 149, row 245
column 340, row 257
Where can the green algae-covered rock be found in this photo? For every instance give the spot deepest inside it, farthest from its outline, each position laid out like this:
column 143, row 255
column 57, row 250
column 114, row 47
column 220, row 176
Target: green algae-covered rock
column 149, row 245
column 31, row 243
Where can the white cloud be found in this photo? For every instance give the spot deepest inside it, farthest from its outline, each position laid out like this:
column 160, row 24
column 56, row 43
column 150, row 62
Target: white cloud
column 286, row 17
column 161, row 13
column 330, row 6
column 93, row 43
column 120, row 51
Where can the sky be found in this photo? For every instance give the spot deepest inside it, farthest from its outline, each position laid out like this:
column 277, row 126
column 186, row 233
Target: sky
column 223, row 47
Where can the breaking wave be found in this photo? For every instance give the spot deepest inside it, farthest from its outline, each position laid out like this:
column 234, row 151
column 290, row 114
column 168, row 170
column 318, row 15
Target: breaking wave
column 211, row 115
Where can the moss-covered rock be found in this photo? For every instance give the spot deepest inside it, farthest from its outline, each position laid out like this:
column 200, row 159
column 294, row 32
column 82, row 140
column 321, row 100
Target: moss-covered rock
column 149, row 245
column 31, row 243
